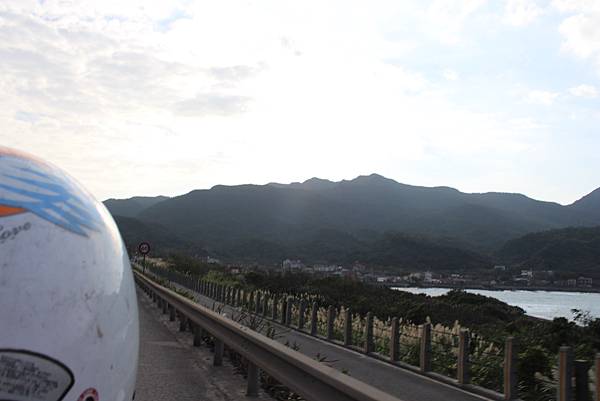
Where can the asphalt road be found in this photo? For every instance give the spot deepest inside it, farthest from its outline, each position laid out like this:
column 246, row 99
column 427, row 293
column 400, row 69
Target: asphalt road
column 170, row 368
column 402, row 383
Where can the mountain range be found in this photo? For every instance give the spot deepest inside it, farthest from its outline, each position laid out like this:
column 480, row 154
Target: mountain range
column 360, row 219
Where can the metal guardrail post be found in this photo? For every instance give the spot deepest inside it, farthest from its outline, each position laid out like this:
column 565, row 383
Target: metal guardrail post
column 182, row 322
column 171, row 313
column 395, row 340
column 425, row 350
column 197, row 336
column 219, row 349
column 253, row 380
column 165, row 307
column 257, row 303
column 314, row 319
column 347, row 326
column 288, row 311
column 265, row 309
column 582, row 392
column 330, row 321
column 463, row 368
column 511, row 390
column 369, row 333
column 301, row 314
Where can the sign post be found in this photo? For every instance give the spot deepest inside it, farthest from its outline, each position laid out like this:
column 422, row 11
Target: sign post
column 144, row 249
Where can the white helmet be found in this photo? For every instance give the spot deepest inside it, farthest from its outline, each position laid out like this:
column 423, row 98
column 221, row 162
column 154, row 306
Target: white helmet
column 68, row 310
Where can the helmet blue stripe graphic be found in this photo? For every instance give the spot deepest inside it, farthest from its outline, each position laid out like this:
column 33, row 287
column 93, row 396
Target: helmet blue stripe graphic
column 51, row 197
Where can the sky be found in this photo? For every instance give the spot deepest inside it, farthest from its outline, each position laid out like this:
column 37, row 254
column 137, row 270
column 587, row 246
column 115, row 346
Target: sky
column 147, row 98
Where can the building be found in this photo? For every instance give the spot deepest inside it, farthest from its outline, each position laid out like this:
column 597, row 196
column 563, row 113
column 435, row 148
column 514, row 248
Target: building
column 290, row 265
column 584, row 281
column 527, row 273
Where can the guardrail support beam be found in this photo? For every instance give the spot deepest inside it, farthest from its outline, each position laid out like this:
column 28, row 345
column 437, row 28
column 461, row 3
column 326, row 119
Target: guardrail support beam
column 219, row 348
column 182, row 322
column 582, row 392
column 253, row 380
column 597, row 377
column 198, row 334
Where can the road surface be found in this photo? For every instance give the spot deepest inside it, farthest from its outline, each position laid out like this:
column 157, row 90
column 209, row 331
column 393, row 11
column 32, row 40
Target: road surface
column 171, row 369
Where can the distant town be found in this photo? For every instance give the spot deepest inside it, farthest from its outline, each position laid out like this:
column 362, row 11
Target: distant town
column 498, row 277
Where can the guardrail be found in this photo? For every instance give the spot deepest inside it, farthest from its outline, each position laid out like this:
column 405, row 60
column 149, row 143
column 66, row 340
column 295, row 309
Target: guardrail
column 310, row 379
column 572, row 381
column 278, row 309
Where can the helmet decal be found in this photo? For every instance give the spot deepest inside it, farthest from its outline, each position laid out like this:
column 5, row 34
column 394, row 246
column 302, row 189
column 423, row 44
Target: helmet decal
column 91, row 394
column 29, row 185
column 30, row 376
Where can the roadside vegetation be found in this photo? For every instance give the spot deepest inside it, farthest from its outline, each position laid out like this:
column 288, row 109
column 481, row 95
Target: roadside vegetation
column 489, row 321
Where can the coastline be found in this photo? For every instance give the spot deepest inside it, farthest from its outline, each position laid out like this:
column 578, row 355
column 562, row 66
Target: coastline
column 498, row 288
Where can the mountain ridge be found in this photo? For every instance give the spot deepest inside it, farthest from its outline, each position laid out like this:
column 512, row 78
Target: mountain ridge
column 285, row 215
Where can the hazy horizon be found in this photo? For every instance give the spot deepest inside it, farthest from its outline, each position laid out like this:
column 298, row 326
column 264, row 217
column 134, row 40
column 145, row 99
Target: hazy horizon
column 136, row 97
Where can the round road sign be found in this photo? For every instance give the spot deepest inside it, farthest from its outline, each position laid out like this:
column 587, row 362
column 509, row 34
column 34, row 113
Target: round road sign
column 144, row 248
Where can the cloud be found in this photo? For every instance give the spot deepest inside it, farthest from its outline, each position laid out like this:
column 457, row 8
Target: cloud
column 123, row 78
column 235, row 72
column 204, row 104
column 521, row 12
column 581, row 34
column 447, row 18
column 541, row 97
column 450, row 75
column 588, row 91
column 581, row 31
column 574, row 5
